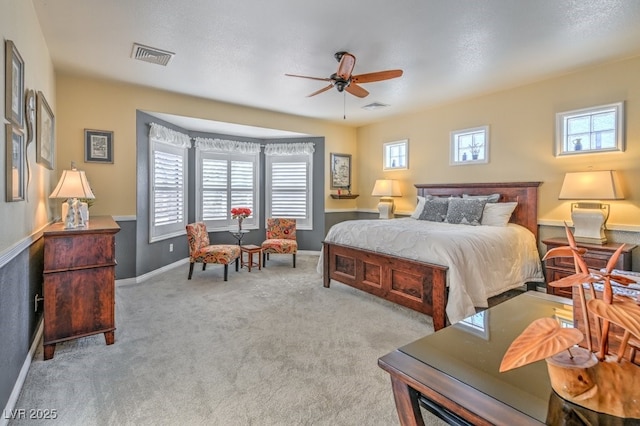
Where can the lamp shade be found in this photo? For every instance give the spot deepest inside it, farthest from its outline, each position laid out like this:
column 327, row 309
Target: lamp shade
column 386, row 188
column 597, row 185
column 72, row 184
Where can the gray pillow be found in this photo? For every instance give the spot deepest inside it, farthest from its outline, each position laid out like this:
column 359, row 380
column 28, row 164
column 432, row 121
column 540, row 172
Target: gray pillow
column 493, row 198
column 435, row 210
column 465, row 211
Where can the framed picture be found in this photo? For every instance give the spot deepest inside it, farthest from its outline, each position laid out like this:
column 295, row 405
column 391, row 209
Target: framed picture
column 98, row 146
column 13, row 85
column 45, row 132
column 396, row 155
column 15, row 163
column 340, row 171
column 469, row 146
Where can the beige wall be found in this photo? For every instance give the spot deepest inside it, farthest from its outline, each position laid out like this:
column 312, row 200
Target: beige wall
column 522, row 126
column 19, row 219
column 106, row 105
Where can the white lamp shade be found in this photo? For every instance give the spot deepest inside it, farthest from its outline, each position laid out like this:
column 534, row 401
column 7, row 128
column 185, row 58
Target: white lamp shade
column 598, row 185
column 72, row 184
column 386, row 188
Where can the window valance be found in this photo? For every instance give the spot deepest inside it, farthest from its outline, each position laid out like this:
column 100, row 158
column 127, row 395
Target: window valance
column 302, row 148
column 223, row 145
column 168, row 136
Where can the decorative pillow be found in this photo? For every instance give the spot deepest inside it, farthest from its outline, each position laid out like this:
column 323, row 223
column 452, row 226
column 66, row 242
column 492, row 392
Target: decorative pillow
column 493, row 198
column 416, row 213
column 465, row 211
column 497, row 214
column 435, row 209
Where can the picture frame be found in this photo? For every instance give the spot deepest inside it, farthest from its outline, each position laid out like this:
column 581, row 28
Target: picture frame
column 469, row 146
column 340, row 171
column 15, row 163
column 98, row 146
column 45, row 132
column 14, row 85
column 395, row 155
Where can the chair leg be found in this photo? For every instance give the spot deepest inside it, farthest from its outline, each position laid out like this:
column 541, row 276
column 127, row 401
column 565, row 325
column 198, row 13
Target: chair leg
column 237, row 264
column 294, row 260
column 190, row 270
column 226, row 271
column 204, row 266
column 264, row 259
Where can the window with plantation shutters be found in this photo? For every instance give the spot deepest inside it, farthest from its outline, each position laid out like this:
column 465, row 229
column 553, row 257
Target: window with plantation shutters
column 168, row 200
column 226, row 181
column 288, row 188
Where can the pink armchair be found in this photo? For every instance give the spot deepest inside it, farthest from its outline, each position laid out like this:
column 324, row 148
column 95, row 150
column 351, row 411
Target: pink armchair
column 201, row 251
column 281, row 238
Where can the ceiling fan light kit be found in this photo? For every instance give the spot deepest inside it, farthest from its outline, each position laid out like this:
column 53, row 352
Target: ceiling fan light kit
column 343, row 80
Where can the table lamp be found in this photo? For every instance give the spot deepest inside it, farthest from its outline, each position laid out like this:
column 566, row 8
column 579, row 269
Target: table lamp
column 386, row 188
column 72, row 185
column 589, row 218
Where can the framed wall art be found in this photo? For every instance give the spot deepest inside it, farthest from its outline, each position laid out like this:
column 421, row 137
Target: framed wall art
column 45, row 132
column 13, row 85
column 340, row 171
column 98, row 146
column 15, row 163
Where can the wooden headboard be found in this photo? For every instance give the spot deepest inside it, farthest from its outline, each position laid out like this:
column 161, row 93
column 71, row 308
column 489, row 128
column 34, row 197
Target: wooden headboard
column 525, row 193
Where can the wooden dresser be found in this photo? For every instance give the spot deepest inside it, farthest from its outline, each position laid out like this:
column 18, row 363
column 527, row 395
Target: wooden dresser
column 597, row 256
column 79, row 282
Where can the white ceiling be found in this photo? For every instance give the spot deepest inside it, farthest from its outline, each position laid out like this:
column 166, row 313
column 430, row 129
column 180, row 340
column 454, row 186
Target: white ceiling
column 238, row 51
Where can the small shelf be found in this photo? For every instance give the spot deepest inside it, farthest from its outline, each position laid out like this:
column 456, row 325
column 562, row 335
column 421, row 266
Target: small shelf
column 344, row 196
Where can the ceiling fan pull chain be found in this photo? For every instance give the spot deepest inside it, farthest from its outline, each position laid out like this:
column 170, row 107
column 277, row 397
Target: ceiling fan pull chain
column 344, row 106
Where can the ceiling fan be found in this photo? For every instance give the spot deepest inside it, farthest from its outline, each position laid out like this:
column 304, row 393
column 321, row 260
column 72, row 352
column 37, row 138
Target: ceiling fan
column 343, row 80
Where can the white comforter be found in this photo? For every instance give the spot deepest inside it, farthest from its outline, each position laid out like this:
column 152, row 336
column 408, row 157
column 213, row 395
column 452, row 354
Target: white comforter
column 483, row 261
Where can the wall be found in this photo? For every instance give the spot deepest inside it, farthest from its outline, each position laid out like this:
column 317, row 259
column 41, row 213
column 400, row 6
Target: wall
column 22, row 221
column 521, row 146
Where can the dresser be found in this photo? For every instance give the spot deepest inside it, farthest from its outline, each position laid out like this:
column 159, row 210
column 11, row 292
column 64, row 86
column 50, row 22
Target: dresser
column 596, row 257
column 79, row 282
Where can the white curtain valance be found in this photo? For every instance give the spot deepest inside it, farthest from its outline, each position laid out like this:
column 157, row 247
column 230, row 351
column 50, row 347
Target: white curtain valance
column 222, row 145
column 302, row 148
column 170, row 137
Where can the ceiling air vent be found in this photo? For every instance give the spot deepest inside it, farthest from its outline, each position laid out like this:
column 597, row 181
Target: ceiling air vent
column 151, row 54
column 374, row 105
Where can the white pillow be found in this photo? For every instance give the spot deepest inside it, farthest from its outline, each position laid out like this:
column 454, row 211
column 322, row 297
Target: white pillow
column 416, row 213
column 497, row 214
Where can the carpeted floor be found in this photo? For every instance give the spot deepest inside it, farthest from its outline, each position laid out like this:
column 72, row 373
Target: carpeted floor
column 270, row 347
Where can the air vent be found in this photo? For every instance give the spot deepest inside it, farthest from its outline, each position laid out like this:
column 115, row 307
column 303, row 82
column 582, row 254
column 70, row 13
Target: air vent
column 374, row 105
column 151, row 54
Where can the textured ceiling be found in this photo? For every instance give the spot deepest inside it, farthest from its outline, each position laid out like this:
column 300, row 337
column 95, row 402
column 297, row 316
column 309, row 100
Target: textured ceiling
column 239, row 51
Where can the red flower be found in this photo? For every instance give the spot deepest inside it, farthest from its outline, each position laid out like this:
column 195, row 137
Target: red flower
column 242, row 212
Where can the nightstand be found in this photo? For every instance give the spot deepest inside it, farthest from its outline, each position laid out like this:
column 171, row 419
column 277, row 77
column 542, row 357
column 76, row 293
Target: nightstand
column 597, row 256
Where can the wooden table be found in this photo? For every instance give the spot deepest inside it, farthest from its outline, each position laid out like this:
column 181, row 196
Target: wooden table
column 251, row 249
column 454, row 372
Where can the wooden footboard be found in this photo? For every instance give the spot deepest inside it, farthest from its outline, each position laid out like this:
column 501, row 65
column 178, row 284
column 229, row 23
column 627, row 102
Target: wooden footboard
column 416, row 285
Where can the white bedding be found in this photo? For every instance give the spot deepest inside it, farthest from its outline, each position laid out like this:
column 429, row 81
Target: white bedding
column 483, row 261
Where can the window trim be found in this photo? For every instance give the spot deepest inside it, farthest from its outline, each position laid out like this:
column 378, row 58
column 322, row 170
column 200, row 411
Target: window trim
column 561, row 129
column 454, row 141
column 386, row 157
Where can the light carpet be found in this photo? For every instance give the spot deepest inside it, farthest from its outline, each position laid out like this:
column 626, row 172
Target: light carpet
column 269, row 347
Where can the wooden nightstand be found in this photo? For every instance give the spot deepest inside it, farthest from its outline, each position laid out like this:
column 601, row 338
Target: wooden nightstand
column 596, row 257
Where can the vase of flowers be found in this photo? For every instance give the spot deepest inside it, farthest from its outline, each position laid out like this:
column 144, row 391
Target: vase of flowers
column 240, row 213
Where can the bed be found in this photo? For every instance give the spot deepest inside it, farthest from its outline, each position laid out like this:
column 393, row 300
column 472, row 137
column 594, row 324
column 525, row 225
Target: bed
column 432, row 285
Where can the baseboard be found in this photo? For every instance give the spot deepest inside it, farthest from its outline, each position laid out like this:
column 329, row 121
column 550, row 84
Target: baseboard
column 17, row 387
column 156, row 272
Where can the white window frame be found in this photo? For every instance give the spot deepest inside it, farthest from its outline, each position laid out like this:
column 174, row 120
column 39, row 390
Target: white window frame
column 163, row 232
column 388, row 157
column 304, row 224
column 229, row 223
column 566, row 143
column 460, row 154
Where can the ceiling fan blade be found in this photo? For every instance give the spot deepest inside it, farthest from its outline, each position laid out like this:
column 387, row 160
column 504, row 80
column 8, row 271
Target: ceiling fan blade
column 376, row 76
column 311, row 78
column 356, row 90
column 324, row 89
column 347, row 62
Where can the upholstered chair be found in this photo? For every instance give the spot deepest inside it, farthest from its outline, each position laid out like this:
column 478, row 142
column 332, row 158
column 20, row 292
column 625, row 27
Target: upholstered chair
column 281, row 239
column 201, row 251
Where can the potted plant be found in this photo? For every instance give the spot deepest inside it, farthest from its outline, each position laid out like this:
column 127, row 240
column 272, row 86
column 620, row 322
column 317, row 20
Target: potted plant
column 475, row 148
